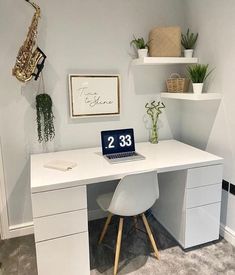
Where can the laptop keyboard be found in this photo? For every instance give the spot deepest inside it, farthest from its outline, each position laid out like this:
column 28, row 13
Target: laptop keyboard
column 122, row 155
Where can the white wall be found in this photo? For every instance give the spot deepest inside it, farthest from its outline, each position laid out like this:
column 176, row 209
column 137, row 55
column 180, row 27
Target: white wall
column 78, row 37
column 214, row 20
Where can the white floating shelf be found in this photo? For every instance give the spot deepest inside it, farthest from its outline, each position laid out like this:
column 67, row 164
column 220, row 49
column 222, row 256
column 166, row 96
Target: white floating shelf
column 164, row 60
column 192, row 96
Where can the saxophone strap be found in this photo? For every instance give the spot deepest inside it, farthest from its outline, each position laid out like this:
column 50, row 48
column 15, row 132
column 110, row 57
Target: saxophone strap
column 40, row 65
column 41, row 84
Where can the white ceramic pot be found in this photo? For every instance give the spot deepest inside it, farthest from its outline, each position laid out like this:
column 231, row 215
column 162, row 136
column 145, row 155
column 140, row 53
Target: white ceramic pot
column 142, row 53
column 188, row 53
column 197, row 88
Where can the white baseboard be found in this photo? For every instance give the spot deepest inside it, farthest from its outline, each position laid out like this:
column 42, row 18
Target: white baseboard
column 227, row 233
column 20, row 230
column 23, row 229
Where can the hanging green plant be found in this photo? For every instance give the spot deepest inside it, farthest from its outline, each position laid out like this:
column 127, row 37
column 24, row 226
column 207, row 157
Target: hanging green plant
column 45, row 117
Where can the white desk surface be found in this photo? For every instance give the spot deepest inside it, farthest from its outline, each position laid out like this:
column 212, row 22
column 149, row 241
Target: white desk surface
column 167, row 155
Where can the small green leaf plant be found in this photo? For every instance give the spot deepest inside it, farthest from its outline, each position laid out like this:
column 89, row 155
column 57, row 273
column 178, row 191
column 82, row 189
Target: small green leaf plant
column 154, row 110
column 198, row 73
column 189, row 40
column 45, row 117
column 139, row 43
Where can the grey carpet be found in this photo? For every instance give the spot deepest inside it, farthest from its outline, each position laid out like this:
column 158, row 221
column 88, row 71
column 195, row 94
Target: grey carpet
column 18, row 255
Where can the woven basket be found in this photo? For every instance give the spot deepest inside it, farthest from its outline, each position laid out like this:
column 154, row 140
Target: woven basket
column 177, row 84
column 165, row 41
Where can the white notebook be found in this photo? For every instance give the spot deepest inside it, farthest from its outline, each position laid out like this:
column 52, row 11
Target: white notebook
column 61, row 165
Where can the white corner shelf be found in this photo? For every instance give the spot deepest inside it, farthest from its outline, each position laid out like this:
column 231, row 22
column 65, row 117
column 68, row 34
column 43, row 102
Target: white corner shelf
column 164, row 60
column 192, row 96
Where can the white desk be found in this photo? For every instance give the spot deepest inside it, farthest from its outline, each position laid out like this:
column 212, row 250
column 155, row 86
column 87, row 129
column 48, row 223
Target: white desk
column 188, row 207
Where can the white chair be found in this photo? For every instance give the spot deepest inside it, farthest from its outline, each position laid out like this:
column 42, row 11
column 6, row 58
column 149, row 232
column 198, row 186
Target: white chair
column 134, row 195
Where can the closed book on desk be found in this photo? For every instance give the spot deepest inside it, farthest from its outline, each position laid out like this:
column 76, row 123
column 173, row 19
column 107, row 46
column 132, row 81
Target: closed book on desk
column 61, row 165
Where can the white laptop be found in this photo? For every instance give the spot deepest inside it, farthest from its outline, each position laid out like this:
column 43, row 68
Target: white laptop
column 119, row 146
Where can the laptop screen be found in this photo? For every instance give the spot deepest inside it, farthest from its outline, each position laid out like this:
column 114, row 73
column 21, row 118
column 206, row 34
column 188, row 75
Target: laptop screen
column 117, row 141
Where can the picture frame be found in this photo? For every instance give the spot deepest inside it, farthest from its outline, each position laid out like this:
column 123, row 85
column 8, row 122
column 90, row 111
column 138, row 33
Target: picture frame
column 94, row 95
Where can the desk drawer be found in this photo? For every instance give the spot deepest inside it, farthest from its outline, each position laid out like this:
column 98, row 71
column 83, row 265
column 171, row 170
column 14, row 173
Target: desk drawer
column 59, row 201
column 60, row 225
column 204, row 176
column 203, row 195
column 64, row 256
column 202, row 224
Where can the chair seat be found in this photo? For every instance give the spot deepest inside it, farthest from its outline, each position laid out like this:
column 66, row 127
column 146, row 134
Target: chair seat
column 104, row 201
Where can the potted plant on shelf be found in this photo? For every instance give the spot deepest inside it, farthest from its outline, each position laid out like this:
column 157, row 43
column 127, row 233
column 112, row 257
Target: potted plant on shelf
column 198, row 74
column 188, row 41
column 141, row 46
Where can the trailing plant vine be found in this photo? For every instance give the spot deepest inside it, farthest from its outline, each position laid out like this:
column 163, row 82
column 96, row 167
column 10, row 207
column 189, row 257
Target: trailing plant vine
column 45, row 117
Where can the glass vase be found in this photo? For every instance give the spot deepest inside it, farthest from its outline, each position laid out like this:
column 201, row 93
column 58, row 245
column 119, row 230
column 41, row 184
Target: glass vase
column 153, row 134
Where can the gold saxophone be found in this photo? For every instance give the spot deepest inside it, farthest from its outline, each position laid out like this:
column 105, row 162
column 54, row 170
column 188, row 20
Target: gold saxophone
column 29, row 55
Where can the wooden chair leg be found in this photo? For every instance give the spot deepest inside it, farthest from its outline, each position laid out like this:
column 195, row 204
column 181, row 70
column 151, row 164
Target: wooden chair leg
column 105, row 228
column 118, row 246
column 151, row 236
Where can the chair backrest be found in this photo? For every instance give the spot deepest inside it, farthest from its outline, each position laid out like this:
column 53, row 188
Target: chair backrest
column 135, row 194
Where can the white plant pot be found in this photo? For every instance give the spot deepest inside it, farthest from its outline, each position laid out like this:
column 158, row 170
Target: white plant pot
column 188, row 53
column 142, row 53
column 197, row 88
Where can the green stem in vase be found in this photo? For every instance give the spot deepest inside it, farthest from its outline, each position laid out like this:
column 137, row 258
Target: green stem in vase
column 154, row 135
column 154, row 110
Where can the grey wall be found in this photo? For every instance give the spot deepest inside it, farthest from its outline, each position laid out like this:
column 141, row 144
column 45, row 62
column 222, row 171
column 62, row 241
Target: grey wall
column 211, row 126
column 78, row 37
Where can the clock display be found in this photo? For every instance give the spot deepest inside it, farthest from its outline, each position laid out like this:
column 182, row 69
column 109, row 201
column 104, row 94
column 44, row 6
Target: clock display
column 116, row 141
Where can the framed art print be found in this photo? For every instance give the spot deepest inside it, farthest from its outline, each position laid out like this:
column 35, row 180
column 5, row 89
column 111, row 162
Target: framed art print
column 94, row 95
